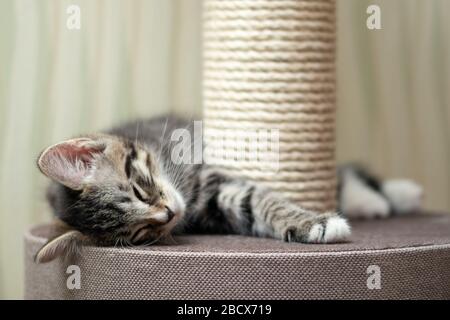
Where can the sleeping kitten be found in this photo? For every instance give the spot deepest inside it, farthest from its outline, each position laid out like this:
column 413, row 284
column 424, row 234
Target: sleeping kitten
column 122, row 187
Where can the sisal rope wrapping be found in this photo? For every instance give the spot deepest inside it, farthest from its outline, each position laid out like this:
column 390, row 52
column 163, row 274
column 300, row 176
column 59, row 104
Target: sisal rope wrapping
column 269, row 66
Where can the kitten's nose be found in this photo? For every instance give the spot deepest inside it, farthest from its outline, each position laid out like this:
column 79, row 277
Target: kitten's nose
column 170, row 214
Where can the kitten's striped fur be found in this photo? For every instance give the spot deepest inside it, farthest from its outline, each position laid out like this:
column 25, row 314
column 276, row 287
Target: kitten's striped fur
column 122, row 188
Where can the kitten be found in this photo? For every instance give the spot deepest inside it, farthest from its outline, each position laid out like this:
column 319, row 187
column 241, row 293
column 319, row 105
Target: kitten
column 122, row 187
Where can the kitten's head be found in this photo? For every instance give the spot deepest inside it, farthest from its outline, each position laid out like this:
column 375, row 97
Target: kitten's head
column 111, row 192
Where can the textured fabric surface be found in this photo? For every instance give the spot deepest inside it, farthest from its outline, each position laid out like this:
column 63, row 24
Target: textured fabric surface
column 413, row 255
column 269, row 67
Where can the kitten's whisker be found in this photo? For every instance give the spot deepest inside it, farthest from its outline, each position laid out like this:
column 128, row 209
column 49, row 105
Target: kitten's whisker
column 137, row 133
column 176, row 176
column 170, row 237
column 150, row 241
column 161, row 144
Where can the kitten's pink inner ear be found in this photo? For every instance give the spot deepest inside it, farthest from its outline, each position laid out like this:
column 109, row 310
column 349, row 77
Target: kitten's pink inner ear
column 69, row 162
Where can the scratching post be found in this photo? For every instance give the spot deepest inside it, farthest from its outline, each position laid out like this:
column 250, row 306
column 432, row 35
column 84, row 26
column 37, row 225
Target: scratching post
column 269, row 71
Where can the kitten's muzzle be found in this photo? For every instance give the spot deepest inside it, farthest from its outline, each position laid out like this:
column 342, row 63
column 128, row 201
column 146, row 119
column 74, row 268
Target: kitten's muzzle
column 170, row 214
column 152, row 225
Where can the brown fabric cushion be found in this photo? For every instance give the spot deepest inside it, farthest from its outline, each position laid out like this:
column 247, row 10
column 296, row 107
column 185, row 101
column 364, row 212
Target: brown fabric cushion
column 413, row 254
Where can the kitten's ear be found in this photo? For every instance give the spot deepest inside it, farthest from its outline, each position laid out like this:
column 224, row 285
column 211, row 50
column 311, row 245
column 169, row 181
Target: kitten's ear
column 63, row 245
column 70, row 162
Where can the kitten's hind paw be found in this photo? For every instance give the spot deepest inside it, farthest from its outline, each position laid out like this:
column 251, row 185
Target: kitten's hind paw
column 405, row 196
column 323, row 229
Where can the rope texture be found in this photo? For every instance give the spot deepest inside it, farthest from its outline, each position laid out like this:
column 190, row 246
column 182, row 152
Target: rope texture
column 270, row 65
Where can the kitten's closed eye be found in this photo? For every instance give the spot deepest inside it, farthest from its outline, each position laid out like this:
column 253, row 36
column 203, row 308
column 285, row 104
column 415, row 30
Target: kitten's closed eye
column 138, row 193
column 143, row 196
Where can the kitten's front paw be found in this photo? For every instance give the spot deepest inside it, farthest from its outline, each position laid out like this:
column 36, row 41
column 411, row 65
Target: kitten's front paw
column 324, row 228
column 335, row 229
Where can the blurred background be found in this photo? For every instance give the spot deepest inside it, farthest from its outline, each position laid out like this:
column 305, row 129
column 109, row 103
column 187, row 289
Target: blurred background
column 143, row 57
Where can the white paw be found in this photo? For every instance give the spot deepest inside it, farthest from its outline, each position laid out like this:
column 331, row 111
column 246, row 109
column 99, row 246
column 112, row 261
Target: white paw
column 404, row 195
column 315, row 234
column 359, row 201
column 336, row 229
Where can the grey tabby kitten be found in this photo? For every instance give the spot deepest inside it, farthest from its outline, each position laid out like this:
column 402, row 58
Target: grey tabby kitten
column 121, row 187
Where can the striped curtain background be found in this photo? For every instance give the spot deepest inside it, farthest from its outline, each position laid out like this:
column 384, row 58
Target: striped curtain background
column 143, row 57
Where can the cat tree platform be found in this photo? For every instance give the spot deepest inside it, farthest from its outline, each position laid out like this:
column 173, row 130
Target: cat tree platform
column 412, row 254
